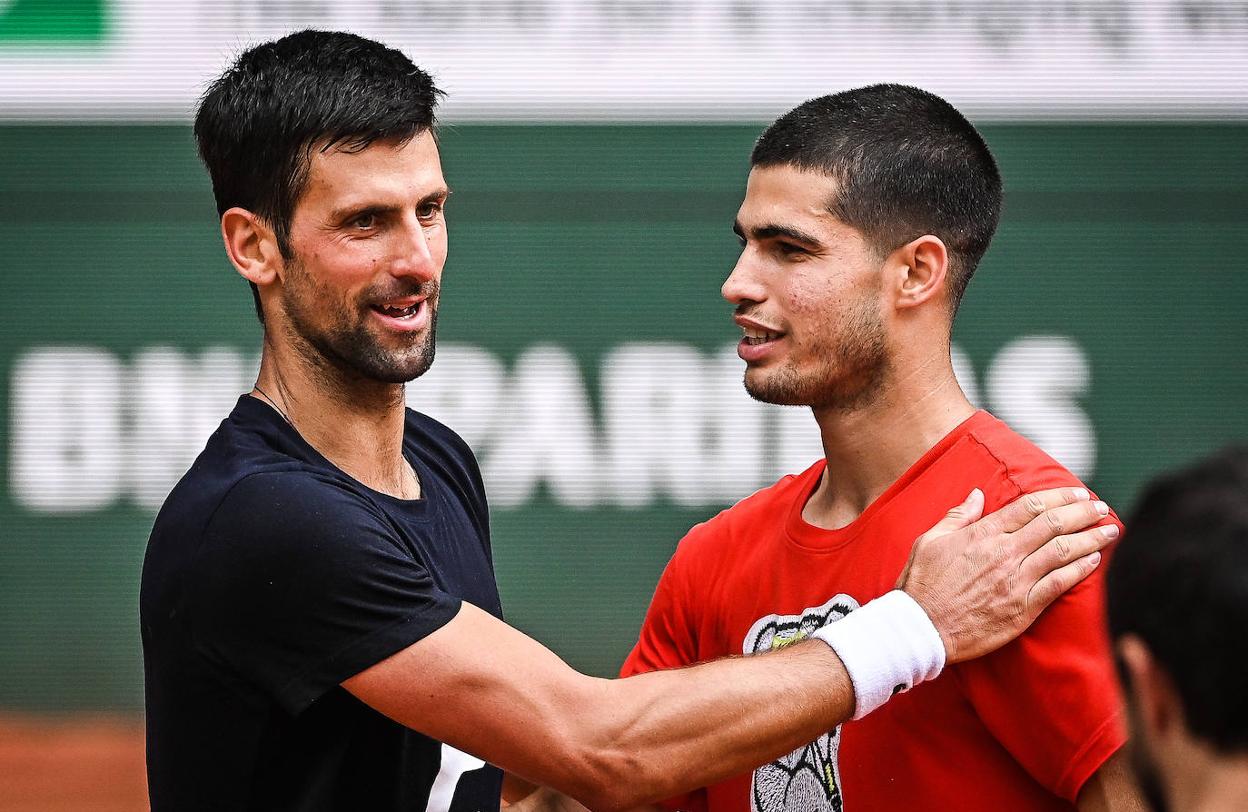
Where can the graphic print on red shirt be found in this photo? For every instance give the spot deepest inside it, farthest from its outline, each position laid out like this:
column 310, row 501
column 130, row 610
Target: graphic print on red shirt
column 1020, row 729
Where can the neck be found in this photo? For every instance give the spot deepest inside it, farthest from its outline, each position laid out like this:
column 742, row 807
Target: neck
column 355, row 423
column 1215, row 784
column 869, row 446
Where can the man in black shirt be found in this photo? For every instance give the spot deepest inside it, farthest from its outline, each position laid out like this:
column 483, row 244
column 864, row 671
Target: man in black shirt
column 320, row 623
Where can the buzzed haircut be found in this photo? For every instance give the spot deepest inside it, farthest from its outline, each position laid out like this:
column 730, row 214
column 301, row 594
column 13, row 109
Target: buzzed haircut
column 1179, row 582
column 905, row 162
column 258, row 124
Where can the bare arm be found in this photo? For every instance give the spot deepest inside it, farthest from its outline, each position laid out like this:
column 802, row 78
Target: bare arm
column 485, row 688
column 1110, row 789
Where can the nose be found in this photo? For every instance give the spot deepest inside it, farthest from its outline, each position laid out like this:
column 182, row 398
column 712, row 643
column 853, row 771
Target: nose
column 742, row 285
column 416, row 252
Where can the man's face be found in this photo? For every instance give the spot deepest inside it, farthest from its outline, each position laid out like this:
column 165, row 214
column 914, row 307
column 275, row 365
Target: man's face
column 807, row 290
column 368, row 238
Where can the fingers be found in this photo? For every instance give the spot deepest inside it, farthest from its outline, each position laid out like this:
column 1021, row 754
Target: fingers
column 1026, row 508
column 960, row 516
column 1066, row 549
column 1058, row 521
column 1057, row 582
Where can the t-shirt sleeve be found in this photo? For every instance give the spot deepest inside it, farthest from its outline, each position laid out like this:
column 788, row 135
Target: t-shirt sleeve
column 667, row 641
column 1051, row 696
column 302, row 583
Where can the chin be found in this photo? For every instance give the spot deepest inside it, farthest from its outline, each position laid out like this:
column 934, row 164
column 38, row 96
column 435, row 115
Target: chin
column 376, row 363
column 403, row 371
column 766, row 389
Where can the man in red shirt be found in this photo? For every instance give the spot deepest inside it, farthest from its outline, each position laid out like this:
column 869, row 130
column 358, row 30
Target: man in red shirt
column 865, row 215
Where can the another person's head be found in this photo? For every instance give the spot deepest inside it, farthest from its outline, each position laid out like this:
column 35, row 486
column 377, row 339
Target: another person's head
column 329, row 185
column 865, row 216
column 1178, row 614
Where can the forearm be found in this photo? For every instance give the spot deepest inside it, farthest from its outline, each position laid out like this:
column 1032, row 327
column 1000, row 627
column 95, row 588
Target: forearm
column 611, row 744
column 662, row 733
column 618, row 744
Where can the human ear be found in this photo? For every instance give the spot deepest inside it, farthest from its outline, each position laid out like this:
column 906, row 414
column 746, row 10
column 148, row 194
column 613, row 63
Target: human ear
column 251, row 246
column 920, row 268
column 1159, row 708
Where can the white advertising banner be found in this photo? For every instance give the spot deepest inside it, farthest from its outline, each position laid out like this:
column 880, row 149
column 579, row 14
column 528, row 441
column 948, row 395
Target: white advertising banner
column 645, row 60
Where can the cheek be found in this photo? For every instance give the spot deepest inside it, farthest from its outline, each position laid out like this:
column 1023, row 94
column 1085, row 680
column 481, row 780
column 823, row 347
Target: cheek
column 811, row 302
column 439, row 247
column 346, row 265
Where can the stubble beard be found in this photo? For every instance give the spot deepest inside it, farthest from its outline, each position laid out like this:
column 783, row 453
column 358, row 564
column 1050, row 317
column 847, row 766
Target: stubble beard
column 348, row 346
column 849, row 376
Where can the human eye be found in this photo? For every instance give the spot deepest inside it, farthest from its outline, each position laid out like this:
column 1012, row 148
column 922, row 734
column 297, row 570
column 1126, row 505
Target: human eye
column 429, row 210
column 791, row 251
column 364, row 221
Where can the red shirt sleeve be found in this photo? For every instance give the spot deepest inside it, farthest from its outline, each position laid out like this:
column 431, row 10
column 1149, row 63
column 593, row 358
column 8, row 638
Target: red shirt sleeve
column 667, row 640
column 1051, row 696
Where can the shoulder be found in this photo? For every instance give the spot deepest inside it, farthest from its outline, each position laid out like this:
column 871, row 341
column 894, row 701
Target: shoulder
column 436, row 434
column 440, row 446
column 446, row 453
column 1023, row 466
column 766, row 508
column 278, row 514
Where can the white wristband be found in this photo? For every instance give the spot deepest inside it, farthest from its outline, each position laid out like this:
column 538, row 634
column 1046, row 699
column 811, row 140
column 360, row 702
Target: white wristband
column 888, row 646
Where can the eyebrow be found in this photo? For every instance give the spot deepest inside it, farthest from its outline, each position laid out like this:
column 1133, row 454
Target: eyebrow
column 771, row 231
column 348, row 212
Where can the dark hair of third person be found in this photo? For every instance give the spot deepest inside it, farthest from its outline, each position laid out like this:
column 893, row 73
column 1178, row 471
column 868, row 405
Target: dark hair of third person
column 258, row 124
column 1179, row 582
column 906, row 163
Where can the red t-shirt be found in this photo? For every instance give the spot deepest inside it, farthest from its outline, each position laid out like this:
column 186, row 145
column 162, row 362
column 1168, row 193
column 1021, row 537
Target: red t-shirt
column 1020, row 729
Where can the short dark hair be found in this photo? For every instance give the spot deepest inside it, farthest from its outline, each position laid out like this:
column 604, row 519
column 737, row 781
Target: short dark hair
column 259, row 122
column 1179, row 581
column 906, row 164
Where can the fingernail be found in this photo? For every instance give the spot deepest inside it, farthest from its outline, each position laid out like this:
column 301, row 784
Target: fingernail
column 1110, row 531
column 1101, row 508
column 1095, row 558
column 1082, row 495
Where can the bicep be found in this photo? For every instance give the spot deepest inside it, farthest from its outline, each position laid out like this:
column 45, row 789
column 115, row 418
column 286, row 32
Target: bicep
column 483, row 687
column 299, row 584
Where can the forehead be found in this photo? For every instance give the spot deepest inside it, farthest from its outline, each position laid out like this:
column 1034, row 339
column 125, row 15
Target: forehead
column 785, row 195
column 383, row 169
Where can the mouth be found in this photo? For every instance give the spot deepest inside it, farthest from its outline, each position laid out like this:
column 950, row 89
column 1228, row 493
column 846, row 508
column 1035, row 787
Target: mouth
column 401, row 310
column 760, row 341
column 755, row 336
column 408, row 315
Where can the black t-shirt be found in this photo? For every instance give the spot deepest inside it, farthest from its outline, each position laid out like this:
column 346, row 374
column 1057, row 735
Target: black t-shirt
column 270, row 577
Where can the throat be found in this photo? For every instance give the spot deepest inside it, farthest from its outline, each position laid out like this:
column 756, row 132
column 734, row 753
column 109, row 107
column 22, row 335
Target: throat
column 833, row 508
column 400, row 482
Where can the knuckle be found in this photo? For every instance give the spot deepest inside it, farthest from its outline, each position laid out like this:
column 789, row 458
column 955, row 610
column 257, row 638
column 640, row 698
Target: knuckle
column 1061, row 545
column 984, row 529
column 1054, row 522
column 1033, row 503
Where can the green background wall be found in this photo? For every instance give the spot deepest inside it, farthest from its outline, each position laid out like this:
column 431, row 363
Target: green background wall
column 1126, row 239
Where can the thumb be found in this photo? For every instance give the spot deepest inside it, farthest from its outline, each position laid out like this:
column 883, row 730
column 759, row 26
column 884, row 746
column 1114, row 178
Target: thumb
column 960, row 516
